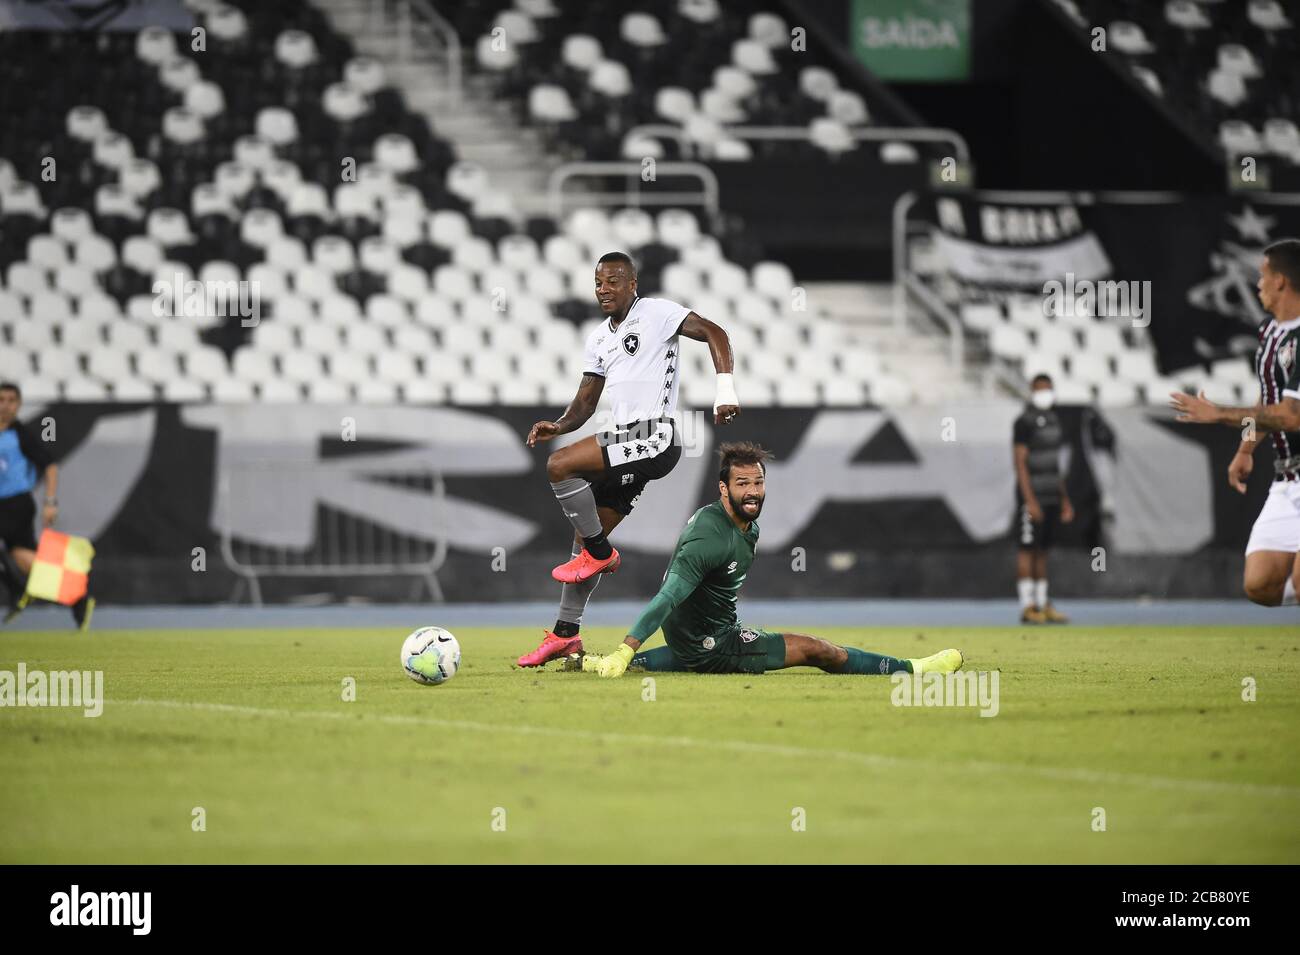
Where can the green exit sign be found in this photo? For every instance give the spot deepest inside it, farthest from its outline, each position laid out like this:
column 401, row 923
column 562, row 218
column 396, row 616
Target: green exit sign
column 926, row 41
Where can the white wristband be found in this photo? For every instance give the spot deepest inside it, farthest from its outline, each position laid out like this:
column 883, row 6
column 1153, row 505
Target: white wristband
column 726, row 392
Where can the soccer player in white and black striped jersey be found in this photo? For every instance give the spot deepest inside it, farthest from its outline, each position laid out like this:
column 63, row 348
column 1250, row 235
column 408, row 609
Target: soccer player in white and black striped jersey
column 634, row 356
column 1272, row 574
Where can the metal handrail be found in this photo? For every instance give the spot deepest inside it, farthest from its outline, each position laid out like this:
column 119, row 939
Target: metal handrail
column 409, row 11
column 950, row 320
column 905, row 283
column 708, row 196
column 863, row 133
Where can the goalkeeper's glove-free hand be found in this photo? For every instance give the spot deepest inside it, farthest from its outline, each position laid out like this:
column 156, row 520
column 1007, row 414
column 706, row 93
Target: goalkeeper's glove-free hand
column 616, row 663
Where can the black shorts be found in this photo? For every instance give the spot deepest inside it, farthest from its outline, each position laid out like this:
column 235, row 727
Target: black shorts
column 1038, row 535
column 634, row 456
column 18, row 521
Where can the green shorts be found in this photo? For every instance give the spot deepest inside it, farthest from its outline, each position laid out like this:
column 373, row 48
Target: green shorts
column 741, row 650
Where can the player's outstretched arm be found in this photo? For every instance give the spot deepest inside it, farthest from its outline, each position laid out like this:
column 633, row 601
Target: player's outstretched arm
column 675, row 589
column 726, row 405
column 580, row 409
column 1262, row 418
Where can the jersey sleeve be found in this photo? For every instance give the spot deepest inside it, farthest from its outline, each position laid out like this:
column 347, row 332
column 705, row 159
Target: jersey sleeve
column 1021, row 431
column 669, row 317
column 591, row 363
column 695, row 557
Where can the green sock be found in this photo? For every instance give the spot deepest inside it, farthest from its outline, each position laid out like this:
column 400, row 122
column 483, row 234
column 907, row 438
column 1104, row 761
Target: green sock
column 868, row 663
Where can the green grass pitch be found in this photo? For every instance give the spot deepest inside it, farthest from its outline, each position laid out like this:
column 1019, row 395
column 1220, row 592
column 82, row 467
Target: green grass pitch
column 502, row 765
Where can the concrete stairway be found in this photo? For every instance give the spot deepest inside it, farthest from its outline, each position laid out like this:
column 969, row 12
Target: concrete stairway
column 916, row 353
column 481, row 128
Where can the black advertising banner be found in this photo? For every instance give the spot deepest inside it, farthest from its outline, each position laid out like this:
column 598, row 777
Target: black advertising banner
column 871, row 502
column 1194, row 260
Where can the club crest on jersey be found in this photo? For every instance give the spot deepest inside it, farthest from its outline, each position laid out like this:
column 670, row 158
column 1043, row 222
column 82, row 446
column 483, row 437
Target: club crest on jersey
column 631, row 343
column 1286, row 356
column 748, row 636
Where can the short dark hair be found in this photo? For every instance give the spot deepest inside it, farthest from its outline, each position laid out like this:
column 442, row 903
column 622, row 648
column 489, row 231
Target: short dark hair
column 1041, row 376
column 620, row 257
column 740, row 452
column 10, row 386
column 1284, row 257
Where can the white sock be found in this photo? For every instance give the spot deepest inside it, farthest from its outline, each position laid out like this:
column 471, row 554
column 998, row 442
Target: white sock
column 1040, row 592
column 1026, row 588
column 1288, row 593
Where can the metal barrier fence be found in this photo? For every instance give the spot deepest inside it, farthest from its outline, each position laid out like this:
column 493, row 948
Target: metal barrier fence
column 328, row 519
column 870, row 134
column 633, row 192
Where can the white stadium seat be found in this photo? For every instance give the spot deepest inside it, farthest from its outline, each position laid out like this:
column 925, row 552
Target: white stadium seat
column 328, row 391
column 85, row 389
column 1008, row 341
column 279, row 391
column 1135, row 366
column 253, row 365
column 32, row 335
column 982, row 318
column 350, row 366
column 840, row 392
column 133, row 389
column 797, row 392
column 301, row 366
column 58, row 364
column 1055, row 340
column 470, row 391
column 373, row 391
column 233, row 390
column 364, row 339
column 207, row 364
column 183, row 390
column 1090, row 367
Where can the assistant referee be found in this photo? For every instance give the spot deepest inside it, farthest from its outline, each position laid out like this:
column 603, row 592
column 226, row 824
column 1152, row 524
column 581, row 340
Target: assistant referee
column 24, row 461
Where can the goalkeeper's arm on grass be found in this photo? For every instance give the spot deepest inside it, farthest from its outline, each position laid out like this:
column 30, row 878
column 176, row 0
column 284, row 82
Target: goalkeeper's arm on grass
column 675, row 589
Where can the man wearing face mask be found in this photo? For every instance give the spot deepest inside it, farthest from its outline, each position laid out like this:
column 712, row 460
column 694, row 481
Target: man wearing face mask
column 1042, row 503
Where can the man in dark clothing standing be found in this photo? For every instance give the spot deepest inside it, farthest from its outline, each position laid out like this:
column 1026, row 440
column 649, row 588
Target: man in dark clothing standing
column 1042, row 502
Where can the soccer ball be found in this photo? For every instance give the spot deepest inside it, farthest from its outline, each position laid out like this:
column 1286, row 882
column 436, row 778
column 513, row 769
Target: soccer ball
column 430, row 656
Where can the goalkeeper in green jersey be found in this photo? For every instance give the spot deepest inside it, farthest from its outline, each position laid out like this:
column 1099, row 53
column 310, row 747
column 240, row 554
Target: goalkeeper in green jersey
column 696, row 605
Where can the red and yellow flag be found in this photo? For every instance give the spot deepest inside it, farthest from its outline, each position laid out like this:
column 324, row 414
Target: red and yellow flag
column 60, row 570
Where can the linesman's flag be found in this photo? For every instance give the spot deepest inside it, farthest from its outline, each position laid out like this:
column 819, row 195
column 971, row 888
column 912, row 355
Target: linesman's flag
column 60, row 570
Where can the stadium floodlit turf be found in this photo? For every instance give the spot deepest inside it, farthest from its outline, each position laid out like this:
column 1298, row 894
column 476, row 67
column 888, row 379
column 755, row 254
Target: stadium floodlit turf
column 1147, row 724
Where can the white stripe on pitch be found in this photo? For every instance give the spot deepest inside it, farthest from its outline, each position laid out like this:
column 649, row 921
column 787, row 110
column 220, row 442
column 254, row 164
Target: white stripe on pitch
column 1055, row 774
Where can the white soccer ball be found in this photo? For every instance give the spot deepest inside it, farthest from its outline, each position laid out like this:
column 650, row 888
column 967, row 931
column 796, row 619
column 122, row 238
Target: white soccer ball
column 431, row 655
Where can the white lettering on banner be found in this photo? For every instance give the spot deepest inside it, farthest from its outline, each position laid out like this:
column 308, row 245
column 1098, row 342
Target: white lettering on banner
column 282, row 512
column 1028, row 266
column 1020, row 225
column 909, row 32
column 971, row 478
